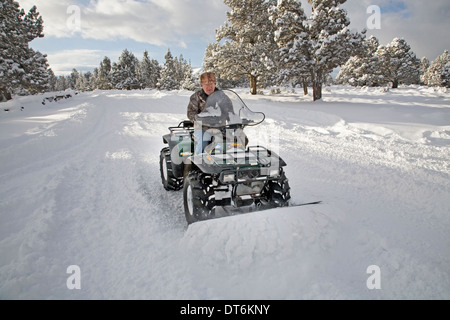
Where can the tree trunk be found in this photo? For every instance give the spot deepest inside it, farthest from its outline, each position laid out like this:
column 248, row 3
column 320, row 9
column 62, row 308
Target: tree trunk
column 253, row 85
column 395, row 84
column 5, row 95
column 317, row 90
column 305, row 88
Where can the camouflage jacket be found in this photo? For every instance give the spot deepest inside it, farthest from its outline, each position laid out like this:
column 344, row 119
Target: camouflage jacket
column 197, row 104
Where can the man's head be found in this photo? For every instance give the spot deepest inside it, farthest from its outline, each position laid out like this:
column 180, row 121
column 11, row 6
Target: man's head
column 208, row 81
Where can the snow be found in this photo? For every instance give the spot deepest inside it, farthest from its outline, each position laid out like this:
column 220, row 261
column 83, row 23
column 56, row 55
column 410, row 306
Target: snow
column 80, row 186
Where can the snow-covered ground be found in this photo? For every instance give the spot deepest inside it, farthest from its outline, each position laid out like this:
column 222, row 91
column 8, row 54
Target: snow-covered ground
column 80, row 186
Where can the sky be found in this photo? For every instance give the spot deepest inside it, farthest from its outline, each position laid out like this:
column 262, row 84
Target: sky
column 80, row 33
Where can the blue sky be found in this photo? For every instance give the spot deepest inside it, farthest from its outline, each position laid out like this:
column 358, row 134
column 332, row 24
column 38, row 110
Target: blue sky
column 107, row 27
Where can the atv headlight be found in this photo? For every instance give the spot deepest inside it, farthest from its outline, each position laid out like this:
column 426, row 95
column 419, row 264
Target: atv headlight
column 274, row 173
column 229, row 177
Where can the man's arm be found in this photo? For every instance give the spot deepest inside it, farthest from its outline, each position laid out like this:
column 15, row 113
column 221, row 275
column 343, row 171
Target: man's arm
column 196, row 105
column 192, row 108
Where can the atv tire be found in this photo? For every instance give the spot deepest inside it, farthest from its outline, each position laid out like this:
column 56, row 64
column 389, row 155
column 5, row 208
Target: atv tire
column 199, row 197
column 277, row 193
column 169, row 181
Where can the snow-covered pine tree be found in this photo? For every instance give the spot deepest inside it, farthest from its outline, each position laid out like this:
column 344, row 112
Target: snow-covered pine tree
column 363, row 68
column 434, row 72
column 61, row 83
column 148, row 71
column 245, row 44
column 52, row 80
column 330, row 41
column 17, row 30
column 209, row 59
column 103, row 79
column 288, row 18
column 168, row 77
column 424, row 65
column 445, row 76
column 398, row 64
column 124, row 75
column 37, row 77
column 80, row 82
column 181, row 67
column 72, row 79
column 189, row 82
column 85, row 82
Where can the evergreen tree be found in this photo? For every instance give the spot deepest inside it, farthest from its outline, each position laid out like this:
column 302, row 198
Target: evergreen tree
column 398, row 64
column 312, row 48
column 124, row 74
column 103, row 79
column 61, row 83
column 209, row 59
column 37, row 77
column 182, row 67
column 84, row 82
column 445, row 76
column 245, row 44
column 424, row 65
column 71, row 80
column 289, row 19
column 363, row 69
column 17, row 30
column 169, row 78
column 189, row 82
column 329, row 41
column 434, row 73
column 52, row 80
column 148, row 71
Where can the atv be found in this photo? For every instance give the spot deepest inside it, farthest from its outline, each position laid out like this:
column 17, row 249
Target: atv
column 228, row 175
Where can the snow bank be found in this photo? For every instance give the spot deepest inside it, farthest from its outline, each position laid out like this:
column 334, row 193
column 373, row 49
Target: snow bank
column 81, row 186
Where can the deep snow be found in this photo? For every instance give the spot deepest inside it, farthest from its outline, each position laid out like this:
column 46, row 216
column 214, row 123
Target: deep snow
column 80, row 185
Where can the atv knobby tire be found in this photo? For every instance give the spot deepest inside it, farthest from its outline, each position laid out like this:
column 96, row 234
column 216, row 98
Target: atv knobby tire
column 277, row 193
column 199, row 197
column 169, row 181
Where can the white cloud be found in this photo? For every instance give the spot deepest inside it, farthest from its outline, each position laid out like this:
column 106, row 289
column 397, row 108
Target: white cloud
column 423, row 24
column 150, row 21
column 63, row 62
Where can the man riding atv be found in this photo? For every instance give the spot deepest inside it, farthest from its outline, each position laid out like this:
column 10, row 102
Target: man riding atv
column 223, row 173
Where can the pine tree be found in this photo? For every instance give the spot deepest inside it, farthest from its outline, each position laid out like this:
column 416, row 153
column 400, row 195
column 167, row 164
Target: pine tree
column 189, row 82
column 312, row 48
column 329, row 41
column 61, row 83
column 434, row 72
column 363, row 68
column 445, row 76
column 398, row 64
column 17, row 29
column 124, row 74
column 103, row 79
column 36, row 77
column 209, row 59
column 289, row 18
column 148, row 71
column 168, row 78
column 424, row 65
column 72, row 79
column 52, row 80
column 245, row 44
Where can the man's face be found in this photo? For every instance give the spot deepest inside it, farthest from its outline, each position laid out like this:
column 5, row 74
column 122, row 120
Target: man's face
column 209, row 85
